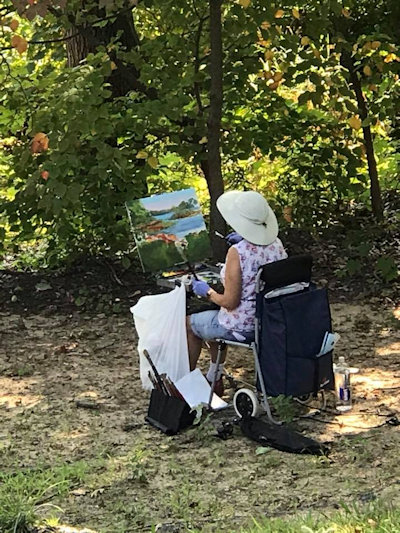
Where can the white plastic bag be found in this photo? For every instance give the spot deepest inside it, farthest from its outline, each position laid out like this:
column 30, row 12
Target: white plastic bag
column 160, row 322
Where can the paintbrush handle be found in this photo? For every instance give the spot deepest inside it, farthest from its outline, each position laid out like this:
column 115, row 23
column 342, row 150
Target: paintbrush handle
column 153, row 381
column 166, row 384
column 155, row 371
column 191, row 269
column 174, row 390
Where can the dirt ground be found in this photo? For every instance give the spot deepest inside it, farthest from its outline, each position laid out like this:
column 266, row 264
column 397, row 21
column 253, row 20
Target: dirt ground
column 56, row 366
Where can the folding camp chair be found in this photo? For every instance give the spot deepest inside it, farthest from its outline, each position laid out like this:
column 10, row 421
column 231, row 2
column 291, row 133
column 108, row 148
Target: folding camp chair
column 292, row 318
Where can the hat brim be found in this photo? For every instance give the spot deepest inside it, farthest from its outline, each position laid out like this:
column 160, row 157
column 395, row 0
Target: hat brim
column 252, row 232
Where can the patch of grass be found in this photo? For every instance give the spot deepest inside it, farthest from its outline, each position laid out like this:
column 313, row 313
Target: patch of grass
column 133, row 467
column 25, row 495
column 21, row 371
column 186, row 503
column 131, row 516
column 25, row 371
column 181, row 502
column 374, row 518
column 358, row 449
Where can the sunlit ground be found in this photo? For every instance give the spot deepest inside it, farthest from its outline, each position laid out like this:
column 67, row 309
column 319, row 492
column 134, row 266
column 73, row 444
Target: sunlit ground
column 42, row 410
column 16, row 393
column 67, row 529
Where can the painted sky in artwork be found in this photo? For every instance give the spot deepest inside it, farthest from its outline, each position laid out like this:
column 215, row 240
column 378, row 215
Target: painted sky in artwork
column 161, row 202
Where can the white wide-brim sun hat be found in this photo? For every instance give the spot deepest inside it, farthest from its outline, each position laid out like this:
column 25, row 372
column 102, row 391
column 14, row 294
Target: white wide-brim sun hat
column 249, row 214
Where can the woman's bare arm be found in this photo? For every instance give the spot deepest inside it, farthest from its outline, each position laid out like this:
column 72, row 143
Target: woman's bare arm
column 230, row 299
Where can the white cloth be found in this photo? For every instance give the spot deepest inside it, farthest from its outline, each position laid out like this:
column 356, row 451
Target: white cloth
column 160, row 321
column 294, row 287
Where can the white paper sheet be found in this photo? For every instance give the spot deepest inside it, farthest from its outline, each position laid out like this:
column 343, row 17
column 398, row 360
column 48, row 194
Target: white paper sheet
column 329, row 342
column 196, row 390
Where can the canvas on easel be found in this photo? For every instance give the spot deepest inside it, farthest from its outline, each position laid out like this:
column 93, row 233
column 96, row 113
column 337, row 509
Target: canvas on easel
column 169, row 229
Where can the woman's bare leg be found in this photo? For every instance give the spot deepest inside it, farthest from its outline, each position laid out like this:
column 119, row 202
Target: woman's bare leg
column 214, row 352
column 194, row 345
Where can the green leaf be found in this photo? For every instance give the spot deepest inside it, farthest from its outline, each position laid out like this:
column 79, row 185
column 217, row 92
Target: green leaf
column 387, row 267
column 59, row 188
column 261, row 450
column 304, row 98
column 353, row 266
column 73, row 192
column 126, row 262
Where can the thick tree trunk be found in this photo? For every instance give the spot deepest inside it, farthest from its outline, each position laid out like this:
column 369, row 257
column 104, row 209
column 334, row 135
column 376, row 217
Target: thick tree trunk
column 77, row 47
column 212, row 167
column 375, row 190
column 125, row 77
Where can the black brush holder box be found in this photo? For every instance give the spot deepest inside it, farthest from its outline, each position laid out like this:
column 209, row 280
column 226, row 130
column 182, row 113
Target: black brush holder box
column 169, row 414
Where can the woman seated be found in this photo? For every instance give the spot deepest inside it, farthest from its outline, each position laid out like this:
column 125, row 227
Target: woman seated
column 254, row 243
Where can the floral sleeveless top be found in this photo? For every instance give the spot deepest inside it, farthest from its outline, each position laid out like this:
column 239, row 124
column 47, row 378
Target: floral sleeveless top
column 251, row 256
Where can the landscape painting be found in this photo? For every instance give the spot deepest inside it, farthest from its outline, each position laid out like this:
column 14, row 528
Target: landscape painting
column 169, row 229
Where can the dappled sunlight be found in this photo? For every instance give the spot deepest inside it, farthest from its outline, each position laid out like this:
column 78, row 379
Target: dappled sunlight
column 375, row 384
column 93, row 409
column 371, row 380
column 16, row 393
column 70, row 435
column 17, row 400
column 246, row 374
column 376, row 392
column 350, row 423
column 390, row 349
column 69, row 529
column 89, row 394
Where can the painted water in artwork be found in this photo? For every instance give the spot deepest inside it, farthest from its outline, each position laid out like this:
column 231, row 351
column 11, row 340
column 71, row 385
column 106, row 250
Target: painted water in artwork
column 169, row 229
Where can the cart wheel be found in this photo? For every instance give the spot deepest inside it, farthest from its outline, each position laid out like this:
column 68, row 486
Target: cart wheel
column 246, row 403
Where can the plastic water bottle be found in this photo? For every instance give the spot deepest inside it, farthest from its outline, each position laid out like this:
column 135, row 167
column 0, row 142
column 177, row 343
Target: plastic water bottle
column 342, row 385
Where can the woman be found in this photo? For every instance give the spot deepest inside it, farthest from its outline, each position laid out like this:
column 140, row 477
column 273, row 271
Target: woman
column 254, row 243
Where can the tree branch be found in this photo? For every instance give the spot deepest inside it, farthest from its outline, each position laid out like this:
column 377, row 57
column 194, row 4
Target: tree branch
column 197, row 63
column 58, row 40
column 4, row 61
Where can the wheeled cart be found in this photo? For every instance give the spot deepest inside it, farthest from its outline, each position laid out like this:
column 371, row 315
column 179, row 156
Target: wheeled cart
column 292, row 318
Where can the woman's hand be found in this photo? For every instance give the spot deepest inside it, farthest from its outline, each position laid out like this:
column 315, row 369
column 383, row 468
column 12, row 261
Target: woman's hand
column 233, row 238
column 200, row 288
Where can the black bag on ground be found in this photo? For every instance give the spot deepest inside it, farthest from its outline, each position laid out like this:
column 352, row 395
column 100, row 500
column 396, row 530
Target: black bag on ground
column 281, row 437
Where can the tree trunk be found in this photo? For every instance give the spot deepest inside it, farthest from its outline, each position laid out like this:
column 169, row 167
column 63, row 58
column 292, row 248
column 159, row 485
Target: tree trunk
column 212, row 167
column 375, row 190
column 77, row 47
column 125, row 77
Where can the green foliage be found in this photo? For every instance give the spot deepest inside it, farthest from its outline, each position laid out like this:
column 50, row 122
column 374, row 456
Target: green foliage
column 137, row 466
column 368, row 252
column 139, row 214
column 127, row 120
column 285, row 407
column 387, row 268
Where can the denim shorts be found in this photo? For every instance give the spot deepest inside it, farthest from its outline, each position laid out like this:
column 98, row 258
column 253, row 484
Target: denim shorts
column 206, row 326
